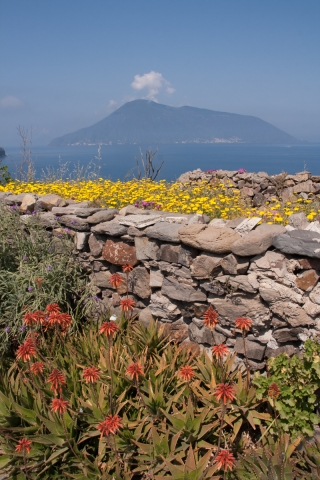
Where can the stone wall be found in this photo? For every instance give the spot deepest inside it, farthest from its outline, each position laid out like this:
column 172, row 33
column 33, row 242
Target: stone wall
column 260, row 187
column 184, row 263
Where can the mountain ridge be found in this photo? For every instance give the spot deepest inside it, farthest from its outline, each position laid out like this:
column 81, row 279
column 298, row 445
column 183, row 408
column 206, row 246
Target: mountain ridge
column 144, row 121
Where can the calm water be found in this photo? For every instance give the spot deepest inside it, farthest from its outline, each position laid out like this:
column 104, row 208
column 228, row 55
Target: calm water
column 118, row 160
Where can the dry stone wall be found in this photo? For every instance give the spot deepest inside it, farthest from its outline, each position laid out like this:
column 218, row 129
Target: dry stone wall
column 184, row 263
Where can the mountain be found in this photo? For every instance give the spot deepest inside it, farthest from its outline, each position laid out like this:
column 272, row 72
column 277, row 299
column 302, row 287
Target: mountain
column 145, row 122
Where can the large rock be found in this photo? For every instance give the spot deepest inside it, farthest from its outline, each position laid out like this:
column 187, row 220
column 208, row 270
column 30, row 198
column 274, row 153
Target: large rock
column 285, row 335
column 315, row 295
column 182, row 292
column 81, row 240
column 292, row 313
column 312, row 309
column 307, row 280
column 140, row 280
column 119, row 253
column 101, row 279
column 298, row 220
column 47, row 202
column 164, row 231
column 28, row 203
column 254, row 349
column 257, row 241
column 243, row 307
column 247, row 225
column 77, row 210
column 156, row 279
column 146, row 249
column 74, row 222
column 139, row 221
column 47, row 219
column 96, row 244
column 299, row 242
column 169, row 253
column 176, row 331
column 102, row 216
column 202, row 334
column 287, row 349
column 210, row 239
column 203, row 266
column 240, row 282
column 112, row 228
column 15, row 199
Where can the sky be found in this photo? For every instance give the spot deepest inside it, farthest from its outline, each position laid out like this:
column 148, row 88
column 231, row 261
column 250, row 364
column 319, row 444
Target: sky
column 67, row 64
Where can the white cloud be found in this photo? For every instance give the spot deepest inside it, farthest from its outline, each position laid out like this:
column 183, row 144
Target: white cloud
column 11, row 102
column 112, row 104
column 153, row 82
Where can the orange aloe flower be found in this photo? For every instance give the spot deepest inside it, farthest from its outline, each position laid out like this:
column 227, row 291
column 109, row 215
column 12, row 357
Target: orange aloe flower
column 33, row 318
column 186, row 373
column 224, row 392
column 219, row 351
column 57, row 380
column 116, row 280
column 134, row 370
column 27, row 350
column 53, row 307
column 127, row 268
column 59, row 405
column 37, row 368
column 127, row 304
column 62, row 320
column 274, row 391
column 23, row 445
column 111, row 424
column 210, row 318
column 225, row 460
column 91, row 374
column 109, row 329
column 243, row 324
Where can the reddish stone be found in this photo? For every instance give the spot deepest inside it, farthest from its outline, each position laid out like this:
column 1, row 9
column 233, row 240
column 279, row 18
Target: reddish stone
column 119, row 253
column 308, row 263
column 307, row 280
column 191, row 347
column 176, row 333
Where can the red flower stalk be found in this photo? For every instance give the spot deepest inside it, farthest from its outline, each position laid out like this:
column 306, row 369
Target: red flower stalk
column 274, row 391
column 110, row 425
column 91, row 374
column 127, row 304
column 186, row 373
column 38, row 281
column 109, row 329
column 127, row 268
column 57, row 380
column 37, row 368
column 34, row 318
column 224, row 392
column 225, row 460
column 243, row 324
column 63, row 320
column 219, row 351
column 23, row 445
column 116, row 280
column 27, row 350
column 53, row 307
column 59, row 405
column 134, row 371
column 210, row 318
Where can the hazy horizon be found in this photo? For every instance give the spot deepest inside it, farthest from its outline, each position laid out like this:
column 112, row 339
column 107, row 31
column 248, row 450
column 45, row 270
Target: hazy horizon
column 67, row 65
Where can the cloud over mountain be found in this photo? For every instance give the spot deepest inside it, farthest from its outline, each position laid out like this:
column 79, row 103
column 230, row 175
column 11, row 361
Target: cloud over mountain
column 153, row 82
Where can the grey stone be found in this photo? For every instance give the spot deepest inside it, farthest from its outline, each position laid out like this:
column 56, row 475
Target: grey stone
column 181, row 220
column 161, row 307
column 81, row 240
column 156, row 279
column 238, row 282
column 82, row 212
column 102, row 216
column 203, row 266
column 140, row 280
column 315, row 294
column 299, row 242
column 211, row 288
column 112, row 228
column 132, row 210
column 14, row 199
column 287, row 349
column 247, row 225
column 74, row 222
column 305, row 187
column 291, row 313
column 285, row 335
column 164, row 231
column 312, row 309
column 211, row 239
column 182, row 292
column 135, row 232
column 272, row 292
column 298, row 220
column 139, row 221
column 254, row 349
column 257, row 241
column 101, row 279
column 145, row 316
column 251, row 308
column 146, row 249
column 258, row 200
column 235, row 222
column 49, row 201
column 233, row 265
column 96, row 244
column 218, row 222
column 205, row 335
column 47, row 219
column 313, row 227
column 169, row 253
column 194, row 219
column 186, row 255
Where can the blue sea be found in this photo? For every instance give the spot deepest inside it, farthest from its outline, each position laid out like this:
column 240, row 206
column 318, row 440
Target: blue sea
column 118, row 161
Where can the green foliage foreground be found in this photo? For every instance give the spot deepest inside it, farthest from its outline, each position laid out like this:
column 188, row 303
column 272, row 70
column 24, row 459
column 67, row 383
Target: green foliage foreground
column 139, row 413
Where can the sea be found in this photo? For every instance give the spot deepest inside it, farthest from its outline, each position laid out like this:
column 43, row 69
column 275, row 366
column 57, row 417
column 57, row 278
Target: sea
column 120, row 161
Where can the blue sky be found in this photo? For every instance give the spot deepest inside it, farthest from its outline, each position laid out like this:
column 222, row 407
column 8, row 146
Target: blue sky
column 66, row 64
